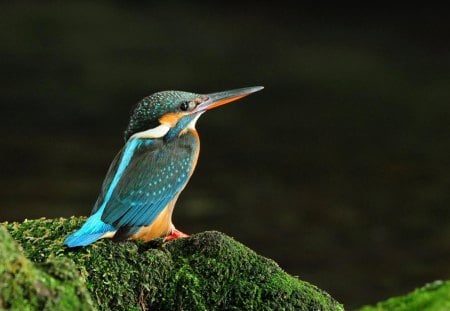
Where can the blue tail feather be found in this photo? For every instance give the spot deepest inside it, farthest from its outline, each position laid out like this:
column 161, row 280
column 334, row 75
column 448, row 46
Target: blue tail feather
column 92, row 230
column 74, row 240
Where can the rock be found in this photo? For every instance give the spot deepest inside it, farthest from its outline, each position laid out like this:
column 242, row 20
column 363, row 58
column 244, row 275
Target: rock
column 207, row 271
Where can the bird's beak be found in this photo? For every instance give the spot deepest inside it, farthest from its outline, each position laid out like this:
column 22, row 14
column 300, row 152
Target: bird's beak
column 214, row 100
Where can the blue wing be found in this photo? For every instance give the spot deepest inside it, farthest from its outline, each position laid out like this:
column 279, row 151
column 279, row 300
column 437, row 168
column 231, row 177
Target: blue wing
column 140, row 183
column 152, row 179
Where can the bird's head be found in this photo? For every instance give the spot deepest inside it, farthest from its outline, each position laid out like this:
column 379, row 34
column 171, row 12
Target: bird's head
column 171, row 112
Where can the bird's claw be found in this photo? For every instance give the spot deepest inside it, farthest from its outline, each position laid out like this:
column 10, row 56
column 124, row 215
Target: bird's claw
column 175, row 234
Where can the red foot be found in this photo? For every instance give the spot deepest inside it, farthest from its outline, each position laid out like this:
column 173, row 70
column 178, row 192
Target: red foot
column 175, row 234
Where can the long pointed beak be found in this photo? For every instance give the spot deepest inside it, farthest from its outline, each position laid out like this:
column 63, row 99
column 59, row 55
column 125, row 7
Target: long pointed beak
column 214, row 100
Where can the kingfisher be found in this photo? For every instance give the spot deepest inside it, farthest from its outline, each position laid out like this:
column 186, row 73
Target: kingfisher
column 146, row 177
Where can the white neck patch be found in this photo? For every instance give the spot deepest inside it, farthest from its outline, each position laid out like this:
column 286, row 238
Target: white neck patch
column 191, row 124
column 157, row 132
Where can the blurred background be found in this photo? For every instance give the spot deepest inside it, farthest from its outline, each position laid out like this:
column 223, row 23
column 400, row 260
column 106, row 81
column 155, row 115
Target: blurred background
column 339, row 169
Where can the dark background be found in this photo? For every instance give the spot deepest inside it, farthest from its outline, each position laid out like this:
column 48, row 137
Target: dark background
column 339, row 169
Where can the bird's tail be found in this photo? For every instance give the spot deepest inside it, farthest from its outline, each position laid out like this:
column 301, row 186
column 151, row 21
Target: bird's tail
column 92, row 230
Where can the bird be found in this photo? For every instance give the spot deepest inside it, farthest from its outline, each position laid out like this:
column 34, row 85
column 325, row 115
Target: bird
column 146, row 177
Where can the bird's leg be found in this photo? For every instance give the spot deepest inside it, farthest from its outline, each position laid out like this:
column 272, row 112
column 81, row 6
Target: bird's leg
column 175, row 234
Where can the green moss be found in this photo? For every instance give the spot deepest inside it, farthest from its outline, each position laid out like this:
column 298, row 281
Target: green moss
column 432, row 297
column 50, row 285
column 204, row 272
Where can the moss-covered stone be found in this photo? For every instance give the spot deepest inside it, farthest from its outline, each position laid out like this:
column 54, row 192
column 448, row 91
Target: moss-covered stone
column 432, row 297
column 53, row 284
column 207, row 271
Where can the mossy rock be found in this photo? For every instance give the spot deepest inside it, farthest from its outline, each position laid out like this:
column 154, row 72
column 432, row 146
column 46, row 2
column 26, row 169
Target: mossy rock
column 52, row 284
column 432, row 297
column 208, row 271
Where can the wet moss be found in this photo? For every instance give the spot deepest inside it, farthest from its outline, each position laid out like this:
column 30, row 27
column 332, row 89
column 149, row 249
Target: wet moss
column 204, row 272
column 432, row 297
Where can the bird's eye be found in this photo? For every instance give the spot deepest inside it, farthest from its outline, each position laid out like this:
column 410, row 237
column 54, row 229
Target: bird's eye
column 187, row 106
column 184, row 106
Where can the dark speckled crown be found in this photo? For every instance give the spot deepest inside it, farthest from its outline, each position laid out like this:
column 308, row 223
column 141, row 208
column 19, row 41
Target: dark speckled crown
column 149, row 110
